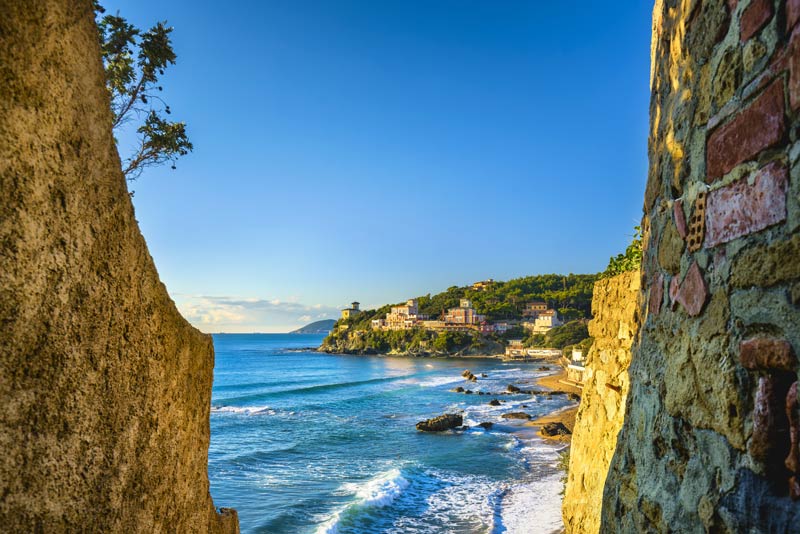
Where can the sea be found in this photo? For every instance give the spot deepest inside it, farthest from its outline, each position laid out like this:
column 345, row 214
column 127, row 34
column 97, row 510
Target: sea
column 306, row 442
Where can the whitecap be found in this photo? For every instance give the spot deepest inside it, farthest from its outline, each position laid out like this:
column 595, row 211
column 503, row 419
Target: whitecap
column 440, row 381
column 244, row 410
column 377, row 492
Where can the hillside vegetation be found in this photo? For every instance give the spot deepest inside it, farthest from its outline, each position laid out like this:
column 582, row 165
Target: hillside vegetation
column 570, row 294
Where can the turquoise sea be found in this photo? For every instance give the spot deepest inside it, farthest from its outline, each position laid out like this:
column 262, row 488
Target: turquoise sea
column 303, row 442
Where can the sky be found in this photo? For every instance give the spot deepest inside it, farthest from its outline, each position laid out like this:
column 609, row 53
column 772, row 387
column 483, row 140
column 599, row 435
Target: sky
column 376, row 151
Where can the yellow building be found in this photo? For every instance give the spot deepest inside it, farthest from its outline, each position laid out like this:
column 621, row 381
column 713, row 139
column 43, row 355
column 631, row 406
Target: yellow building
column 352, row 311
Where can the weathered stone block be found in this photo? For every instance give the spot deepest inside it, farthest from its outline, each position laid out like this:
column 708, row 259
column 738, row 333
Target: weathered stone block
column 794, row 488
column 792, row 13
column 727, row 77
column 793, row 415
column 656, row 294
column 680, row 218
column 674, row 287
column 766, row 354
column 759, row 126
column 670, row 249
column 740, row 209
column 769, row 443
column 758, row 13
column 767, row 265
column 693, row 291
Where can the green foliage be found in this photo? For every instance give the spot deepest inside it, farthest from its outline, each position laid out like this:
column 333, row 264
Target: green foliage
column 560, row 336
column 411, row 340
column 563, row 466
column 630, row 261
column 134, row 61
column 506, row 300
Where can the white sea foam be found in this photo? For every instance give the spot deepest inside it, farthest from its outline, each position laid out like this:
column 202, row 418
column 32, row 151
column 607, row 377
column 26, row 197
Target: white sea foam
column 377, row 492
column 244, row 410
column 440, row 381
column 533, row 507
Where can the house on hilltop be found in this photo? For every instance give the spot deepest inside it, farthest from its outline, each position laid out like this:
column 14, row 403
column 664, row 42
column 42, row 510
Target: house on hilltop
column 352, row 311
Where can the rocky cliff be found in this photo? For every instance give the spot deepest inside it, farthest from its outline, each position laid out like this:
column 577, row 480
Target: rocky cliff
column 711, row 433
column 104, row 387
column 602, row 408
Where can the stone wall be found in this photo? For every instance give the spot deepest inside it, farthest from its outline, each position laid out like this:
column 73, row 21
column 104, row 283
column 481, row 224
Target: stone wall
column 602, row 409
column 710, row 439
column 104, row 387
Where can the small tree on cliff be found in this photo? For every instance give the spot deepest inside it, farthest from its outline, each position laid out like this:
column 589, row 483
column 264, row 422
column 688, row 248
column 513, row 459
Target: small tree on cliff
column 630, row 261
column 134, row 61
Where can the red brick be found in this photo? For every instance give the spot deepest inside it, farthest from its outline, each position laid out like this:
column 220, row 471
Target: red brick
column 759, row 126
column 792, row 13
column 739, row 209
column 754, row 17
column 693, row 291
column 767, row 354
column 680, row 218
column 656, row 294
column 793, row 414
column 786, row 58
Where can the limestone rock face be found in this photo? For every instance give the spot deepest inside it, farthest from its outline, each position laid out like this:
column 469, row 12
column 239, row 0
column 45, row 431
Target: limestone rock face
column 104, row 388
column 710, row 419
column 602, row 408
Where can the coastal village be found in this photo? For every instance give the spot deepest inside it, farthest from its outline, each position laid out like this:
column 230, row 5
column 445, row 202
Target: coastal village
column 537, row 318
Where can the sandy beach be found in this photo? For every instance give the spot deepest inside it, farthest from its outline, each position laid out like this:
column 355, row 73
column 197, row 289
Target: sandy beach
column 565, row 416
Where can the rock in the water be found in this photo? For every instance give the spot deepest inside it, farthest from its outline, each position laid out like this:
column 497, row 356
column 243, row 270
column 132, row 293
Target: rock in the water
column 494, row 402
column 512, row 388
column 516, row 415
column 575, row 397
column 441, row 423
column 524, row 406
column 555, row 429
column 459, row 389
column 544, row 368
column 468, row 391
column 466, row 373
column 486, row 425
column 484, row 375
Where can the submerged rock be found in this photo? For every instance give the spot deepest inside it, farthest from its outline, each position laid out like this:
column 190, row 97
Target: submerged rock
column 486, row 425
column 494, row 402
column 441, row 423
column 516, row 415
column 459, row 389
column 484, row 375
column 555, row 429
column 513, row 389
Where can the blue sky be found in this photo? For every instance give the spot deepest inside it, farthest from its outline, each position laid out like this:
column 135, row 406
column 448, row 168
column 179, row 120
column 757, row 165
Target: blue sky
column 373, row 151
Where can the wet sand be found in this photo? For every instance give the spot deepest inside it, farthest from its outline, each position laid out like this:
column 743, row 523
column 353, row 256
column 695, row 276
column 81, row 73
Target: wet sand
column 566, row 416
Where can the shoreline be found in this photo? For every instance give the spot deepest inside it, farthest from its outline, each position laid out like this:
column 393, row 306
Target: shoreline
column 565, row 416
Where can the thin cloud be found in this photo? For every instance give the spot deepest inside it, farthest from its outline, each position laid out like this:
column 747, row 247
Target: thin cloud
column 249, row 314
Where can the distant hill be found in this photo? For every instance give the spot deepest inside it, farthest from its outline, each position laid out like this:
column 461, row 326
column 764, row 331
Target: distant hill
column 317, row 327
